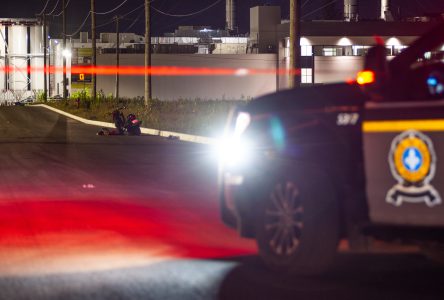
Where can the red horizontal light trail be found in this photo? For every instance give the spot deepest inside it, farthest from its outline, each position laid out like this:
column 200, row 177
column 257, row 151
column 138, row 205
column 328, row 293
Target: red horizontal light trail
column 47, row 236
column 139, row 224
column 154, row 71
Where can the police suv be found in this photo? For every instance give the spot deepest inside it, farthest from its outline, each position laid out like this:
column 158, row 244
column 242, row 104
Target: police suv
column 301, row 169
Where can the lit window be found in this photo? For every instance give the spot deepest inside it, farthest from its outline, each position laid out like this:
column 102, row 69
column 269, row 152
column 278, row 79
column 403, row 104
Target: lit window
column 329, row 52
column 360, row 50
column 398, row 49
column 306, row 50
column 306, row 75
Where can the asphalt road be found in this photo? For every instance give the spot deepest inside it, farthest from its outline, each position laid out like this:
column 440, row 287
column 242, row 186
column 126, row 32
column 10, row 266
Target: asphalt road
column 93, row 217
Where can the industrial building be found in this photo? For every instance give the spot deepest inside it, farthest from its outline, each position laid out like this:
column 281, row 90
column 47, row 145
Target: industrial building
column 21, row 51
column 331, row 51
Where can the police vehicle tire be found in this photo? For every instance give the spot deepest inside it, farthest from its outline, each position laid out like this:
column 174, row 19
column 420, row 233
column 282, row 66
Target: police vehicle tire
column 307, row 216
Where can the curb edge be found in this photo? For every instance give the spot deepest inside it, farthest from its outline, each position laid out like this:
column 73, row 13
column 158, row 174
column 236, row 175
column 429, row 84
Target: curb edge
column 167, row 134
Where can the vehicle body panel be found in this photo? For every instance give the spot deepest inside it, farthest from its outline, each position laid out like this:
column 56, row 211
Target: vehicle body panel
column 382, row 125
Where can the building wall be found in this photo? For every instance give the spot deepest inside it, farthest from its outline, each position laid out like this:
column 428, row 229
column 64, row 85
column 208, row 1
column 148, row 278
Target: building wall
column 337, row 68
column 125, row 37
column 327, row 69
column 221, row 48
column 193, row 87
column 263, row 22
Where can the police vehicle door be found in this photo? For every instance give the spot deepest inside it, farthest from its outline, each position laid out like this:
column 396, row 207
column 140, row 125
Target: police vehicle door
column 404, row 161
column 403, row 133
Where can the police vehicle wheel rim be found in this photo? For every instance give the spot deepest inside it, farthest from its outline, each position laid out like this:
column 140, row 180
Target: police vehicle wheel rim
column 283, row 219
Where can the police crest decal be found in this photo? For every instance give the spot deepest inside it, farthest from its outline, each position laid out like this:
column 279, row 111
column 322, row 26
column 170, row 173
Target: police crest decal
column 413, row 164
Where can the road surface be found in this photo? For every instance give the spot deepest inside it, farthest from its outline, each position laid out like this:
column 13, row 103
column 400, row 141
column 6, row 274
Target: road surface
column 94, row 217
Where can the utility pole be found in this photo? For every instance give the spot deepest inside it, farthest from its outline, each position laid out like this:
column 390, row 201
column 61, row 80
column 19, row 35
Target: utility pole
column 148, row 88
column 94, row 49
column 49, row 68
column 45, row 71
column 117, row 57
column 64, row 48
column 295, row 48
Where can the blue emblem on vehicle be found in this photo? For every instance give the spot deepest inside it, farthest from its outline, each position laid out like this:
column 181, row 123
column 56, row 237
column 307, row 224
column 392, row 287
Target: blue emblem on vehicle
column 413, row 163
column 412, row 159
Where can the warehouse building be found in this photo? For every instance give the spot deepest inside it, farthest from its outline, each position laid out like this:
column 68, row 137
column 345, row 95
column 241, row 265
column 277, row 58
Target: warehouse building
column 331, row 51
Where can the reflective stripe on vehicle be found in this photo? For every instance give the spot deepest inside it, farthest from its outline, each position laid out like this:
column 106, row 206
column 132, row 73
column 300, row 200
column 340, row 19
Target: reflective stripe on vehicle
column 402, row 125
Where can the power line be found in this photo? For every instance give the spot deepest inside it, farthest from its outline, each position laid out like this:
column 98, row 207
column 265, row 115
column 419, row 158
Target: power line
column 318, row 9
column 81, row 26
column 137, row 8
column 186, row 15
column 44, row 8
column 173, row 23
column 57, row 3
column 134, row 22
column 112, row 10
column 106, row 23
column 61, row 12
column 305, row 3
column 123, row 16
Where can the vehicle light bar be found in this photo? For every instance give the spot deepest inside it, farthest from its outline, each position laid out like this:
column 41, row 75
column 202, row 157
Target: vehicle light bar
column 365, row 77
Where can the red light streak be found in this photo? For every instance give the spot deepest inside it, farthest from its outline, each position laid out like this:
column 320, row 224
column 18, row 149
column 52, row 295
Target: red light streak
column 154, row 71
column 145, row 226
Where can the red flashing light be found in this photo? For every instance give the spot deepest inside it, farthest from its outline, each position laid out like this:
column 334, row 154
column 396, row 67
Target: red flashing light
column 350, row 81
column 379, row 40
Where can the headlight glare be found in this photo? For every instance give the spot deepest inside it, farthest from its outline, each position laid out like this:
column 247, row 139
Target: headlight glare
column 233, row 150
column 242, row 121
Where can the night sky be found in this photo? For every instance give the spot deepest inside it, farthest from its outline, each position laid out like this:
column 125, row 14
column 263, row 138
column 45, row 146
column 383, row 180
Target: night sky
column 215, row 17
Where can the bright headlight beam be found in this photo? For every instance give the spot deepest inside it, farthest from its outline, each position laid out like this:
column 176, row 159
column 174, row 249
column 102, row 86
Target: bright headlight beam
column 242, row 122
column 234, row 149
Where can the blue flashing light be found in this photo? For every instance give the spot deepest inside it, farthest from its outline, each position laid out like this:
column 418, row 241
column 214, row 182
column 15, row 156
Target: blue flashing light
column 432, row 81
